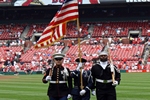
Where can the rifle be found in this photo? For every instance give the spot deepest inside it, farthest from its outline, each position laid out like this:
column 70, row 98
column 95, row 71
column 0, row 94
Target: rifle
column 52, row 62
column 51, row 67
column 111, row 63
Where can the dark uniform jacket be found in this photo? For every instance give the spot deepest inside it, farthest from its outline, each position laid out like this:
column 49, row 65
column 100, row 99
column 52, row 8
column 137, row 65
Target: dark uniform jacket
column 58, row 89
column 104, row 74
column 87, row 81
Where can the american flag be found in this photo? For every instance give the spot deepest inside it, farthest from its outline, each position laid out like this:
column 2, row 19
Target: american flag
column 57, row 27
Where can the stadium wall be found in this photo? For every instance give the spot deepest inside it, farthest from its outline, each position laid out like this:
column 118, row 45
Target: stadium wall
column 40, row 72
column 20, row 73
column 81, row 20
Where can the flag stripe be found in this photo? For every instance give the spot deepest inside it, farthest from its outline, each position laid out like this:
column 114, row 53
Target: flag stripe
column 69, row 6
column 65, row 15
column 60, row 31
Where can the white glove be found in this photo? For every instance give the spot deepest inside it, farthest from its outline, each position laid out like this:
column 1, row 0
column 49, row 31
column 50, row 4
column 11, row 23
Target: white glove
column 82, row 92
column 93, row 92
column 48, row 78
column 79, row 66
column 115, row 84
column 69, row 96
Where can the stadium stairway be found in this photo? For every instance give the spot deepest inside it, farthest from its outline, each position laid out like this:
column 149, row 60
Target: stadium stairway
column 25, row 32
column 65, row 49
column 90, row 30
column 145, row 55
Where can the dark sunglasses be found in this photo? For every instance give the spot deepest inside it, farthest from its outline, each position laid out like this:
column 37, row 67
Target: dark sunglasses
column 58, row 59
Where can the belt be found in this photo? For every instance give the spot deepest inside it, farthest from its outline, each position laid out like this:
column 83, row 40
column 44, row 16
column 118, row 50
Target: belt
column 57, row 81
column 104, row 81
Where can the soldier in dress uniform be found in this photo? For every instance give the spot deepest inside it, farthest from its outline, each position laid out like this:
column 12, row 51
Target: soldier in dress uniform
column 101, row 72
column 58, row 88
column 77, row 92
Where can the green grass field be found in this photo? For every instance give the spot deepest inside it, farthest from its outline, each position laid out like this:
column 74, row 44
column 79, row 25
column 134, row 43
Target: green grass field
column 134, row 86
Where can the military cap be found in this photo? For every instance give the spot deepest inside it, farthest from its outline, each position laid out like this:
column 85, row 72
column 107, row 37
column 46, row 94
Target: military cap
column 82, row 60
column 103, row 53
column 58, row 55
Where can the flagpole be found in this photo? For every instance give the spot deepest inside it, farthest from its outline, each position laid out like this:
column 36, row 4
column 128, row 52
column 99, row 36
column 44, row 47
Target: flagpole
column 79, row 52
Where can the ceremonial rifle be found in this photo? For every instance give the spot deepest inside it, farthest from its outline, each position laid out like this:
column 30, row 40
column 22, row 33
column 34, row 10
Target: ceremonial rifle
column 52, row 63
column 111, row 64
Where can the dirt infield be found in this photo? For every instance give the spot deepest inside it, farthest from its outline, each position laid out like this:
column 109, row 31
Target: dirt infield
column 7, row 77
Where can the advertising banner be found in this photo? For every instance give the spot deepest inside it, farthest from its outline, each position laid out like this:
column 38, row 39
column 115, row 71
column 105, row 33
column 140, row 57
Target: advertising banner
column 5, row 2
column 50, row 2
column 137, row 71
column 59, row 2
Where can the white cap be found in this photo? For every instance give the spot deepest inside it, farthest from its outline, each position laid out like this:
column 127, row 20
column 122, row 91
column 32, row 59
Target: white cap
column 58, row 55
column 103, row 53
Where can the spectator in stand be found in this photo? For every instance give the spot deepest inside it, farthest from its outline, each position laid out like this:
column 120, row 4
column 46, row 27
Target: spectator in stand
column 8, row 43
column 127, row 67
column 95, row 42
column 72, row 42
column 28, row 69
column 103, row 34
column 17, row 67
column 19, row 34
column 115, row 58
column 132, row 65
column 118, row 31
column 19, row 54
column 101, row 41
column 34, row 57
column 34, row 42
column 89, row 36
column 138, row 54
column 3, row 66
column 69, row 45
column 134, row 43
column 120, row 40
column 10, row 34
column 124, row 60
column 116, row 40
column 41, row 58
column 131, row 40
column 140, row 62
column 22, row 67
column 148, row 43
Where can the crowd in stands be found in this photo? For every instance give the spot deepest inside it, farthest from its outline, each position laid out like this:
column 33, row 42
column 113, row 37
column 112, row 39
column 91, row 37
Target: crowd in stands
column 125, row 56
column 12, row 43
column 120, row 29
column 11, row 31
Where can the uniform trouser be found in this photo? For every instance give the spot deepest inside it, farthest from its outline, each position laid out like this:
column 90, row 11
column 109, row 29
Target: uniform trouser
column 106, row 94
column 84, row 97
column 58, row 98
